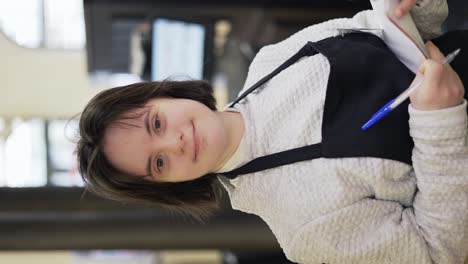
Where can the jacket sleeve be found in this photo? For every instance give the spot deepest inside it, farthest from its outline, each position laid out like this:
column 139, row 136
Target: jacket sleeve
column 428, row 15
column 434, row 229
column 440, row 161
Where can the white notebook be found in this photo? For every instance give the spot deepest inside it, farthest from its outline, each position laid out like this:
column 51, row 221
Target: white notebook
column 400, row 35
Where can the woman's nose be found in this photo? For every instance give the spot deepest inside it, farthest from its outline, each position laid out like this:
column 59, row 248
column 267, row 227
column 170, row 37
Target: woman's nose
column 176, row 143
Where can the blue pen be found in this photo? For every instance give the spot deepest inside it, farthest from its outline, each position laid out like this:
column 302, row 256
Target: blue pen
column 387, row 108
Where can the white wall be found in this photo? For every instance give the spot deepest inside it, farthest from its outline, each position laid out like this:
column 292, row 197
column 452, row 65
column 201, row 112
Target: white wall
column 41, row 83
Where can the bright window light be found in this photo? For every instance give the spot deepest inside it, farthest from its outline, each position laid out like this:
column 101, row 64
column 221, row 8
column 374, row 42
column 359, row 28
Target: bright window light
column 24, row 155
column 21, row 20
column 56, row 24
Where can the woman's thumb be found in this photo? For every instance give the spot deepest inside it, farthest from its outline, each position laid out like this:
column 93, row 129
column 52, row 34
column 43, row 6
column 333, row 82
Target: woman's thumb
column 432, row 71
column 422, row 68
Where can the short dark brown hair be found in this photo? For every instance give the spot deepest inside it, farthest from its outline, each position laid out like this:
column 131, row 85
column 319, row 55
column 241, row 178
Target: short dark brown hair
column 197, row 197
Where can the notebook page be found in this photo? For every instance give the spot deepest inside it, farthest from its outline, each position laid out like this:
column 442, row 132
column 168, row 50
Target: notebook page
column 400, row 35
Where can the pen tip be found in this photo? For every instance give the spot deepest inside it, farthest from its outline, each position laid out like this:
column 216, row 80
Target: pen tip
column 368, row 124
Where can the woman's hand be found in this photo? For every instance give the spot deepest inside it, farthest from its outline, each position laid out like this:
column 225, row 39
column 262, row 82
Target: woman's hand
column 404, row 7
column 442, row 88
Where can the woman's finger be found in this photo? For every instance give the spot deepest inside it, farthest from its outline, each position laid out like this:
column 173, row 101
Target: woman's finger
column 404, row 7
column 434, row 52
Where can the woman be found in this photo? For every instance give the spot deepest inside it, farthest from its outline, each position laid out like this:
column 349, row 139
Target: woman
column 292, row 151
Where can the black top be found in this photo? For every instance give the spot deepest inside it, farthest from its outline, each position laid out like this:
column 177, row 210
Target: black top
column 364, row 76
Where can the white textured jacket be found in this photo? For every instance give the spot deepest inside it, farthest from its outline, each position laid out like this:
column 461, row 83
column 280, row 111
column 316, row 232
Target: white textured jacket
column 351, row 210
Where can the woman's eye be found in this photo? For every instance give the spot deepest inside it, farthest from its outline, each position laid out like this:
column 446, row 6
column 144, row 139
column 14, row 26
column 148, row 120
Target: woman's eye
column 159, row 164
column 157, row 124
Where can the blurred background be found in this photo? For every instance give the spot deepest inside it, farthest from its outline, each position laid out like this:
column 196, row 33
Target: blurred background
column 56, row 54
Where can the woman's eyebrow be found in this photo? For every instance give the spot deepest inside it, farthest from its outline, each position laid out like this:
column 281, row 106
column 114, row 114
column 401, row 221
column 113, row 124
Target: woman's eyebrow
column 147, row 125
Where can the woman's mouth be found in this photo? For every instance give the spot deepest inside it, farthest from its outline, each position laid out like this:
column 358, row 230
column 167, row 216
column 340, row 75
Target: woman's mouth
column 196, row 143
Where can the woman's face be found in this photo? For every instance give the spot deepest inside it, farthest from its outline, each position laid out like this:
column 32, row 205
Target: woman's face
column 170, row 140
